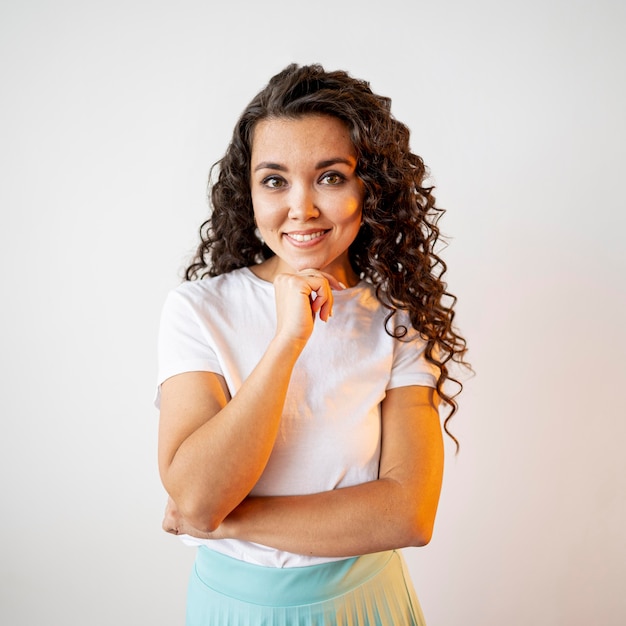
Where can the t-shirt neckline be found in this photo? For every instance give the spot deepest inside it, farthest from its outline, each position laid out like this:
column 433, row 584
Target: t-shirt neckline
column 266, row 284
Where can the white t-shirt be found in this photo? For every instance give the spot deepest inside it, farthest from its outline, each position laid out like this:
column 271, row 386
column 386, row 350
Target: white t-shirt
column 330, row 430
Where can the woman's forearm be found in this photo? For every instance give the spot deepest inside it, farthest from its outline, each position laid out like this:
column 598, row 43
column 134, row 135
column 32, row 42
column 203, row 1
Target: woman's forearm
column 212, row 451
column 217, row 464
column 371, row 517
column 397, row 510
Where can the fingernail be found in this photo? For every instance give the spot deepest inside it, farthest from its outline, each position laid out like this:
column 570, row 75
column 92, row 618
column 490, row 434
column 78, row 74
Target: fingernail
column 342, row 285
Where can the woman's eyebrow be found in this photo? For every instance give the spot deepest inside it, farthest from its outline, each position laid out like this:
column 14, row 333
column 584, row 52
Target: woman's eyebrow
column 267, row 165
column 328, row 162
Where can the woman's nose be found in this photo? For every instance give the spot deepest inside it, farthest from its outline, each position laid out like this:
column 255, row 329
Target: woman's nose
column 302, row 205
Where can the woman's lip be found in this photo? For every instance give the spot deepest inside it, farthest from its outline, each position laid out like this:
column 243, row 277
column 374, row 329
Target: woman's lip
column 302, row 237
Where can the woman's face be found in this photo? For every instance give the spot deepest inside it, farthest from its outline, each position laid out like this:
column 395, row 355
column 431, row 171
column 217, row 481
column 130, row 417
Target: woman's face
column 306, row 197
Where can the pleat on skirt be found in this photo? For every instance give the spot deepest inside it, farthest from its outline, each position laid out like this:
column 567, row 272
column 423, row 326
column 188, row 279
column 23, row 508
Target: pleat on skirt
column 370, row 590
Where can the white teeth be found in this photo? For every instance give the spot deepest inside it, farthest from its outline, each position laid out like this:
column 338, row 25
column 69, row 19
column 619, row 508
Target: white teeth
column 307, row 237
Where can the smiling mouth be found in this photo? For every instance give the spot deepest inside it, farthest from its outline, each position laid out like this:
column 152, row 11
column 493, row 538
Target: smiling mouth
column 307, row 237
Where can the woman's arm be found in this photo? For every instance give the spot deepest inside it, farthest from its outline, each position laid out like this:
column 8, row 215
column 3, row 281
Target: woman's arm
column 213, row 449
column 397, row 510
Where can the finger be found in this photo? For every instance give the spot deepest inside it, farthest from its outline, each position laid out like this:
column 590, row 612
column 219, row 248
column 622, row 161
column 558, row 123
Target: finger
column 326, row 310
column 171, row 518
column 169, row 526
column 319, row 283
column 332, row 281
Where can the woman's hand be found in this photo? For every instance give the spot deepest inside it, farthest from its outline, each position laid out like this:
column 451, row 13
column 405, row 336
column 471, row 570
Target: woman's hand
column 173, row 521
column 299, row 297
column 214, row 448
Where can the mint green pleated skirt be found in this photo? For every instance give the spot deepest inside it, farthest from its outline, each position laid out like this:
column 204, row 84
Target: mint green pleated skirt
column 370, row 590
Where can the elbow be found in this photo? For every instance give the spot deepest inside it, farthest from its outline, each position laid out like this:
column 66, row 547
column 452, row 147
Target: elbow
column 199, row 508
column 200, row 515
column 197, row 511
column 421, row 538
column 202, row 518
column 419, row 531
column 205, row 524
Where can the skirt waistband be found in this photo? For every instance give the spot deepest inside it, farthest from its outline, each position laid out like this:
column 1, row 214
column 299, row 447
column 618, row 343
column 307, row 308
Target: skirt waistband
column 289, row 586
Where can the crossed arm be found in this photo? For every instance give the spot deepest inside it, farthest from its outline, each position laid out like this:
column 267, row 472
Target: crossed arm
column 210, row 464
column 213, row 449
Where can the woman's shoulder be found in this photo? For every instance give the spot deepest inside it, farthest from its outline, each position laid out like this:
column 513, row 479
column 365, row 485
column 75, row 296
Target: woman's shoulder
column 229, row 292
column 232, row 281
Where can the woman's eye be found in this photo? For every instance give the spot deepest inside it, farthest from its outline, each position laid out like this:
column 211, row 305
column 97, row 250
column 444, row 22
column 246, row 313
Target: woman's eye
column 332, row 178
column 273, row 182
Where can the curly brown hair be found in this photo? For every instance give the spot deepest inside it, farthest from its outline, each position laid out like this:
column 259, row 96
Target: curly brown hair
column 395, row 247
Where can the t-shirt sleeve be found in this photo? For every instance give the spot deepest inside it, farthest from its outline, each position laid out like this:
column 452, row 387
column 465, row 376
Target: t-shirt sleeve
column 184, row 343
column 410, row 366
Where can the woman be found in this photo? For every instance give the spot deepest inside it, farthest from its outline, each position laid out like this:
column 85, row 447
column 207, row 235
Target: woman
column 299, row 451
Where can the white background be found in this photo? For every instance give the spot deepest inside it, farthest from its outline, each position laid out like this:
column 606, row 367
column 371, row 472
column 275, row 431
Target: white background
column 110, row 116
